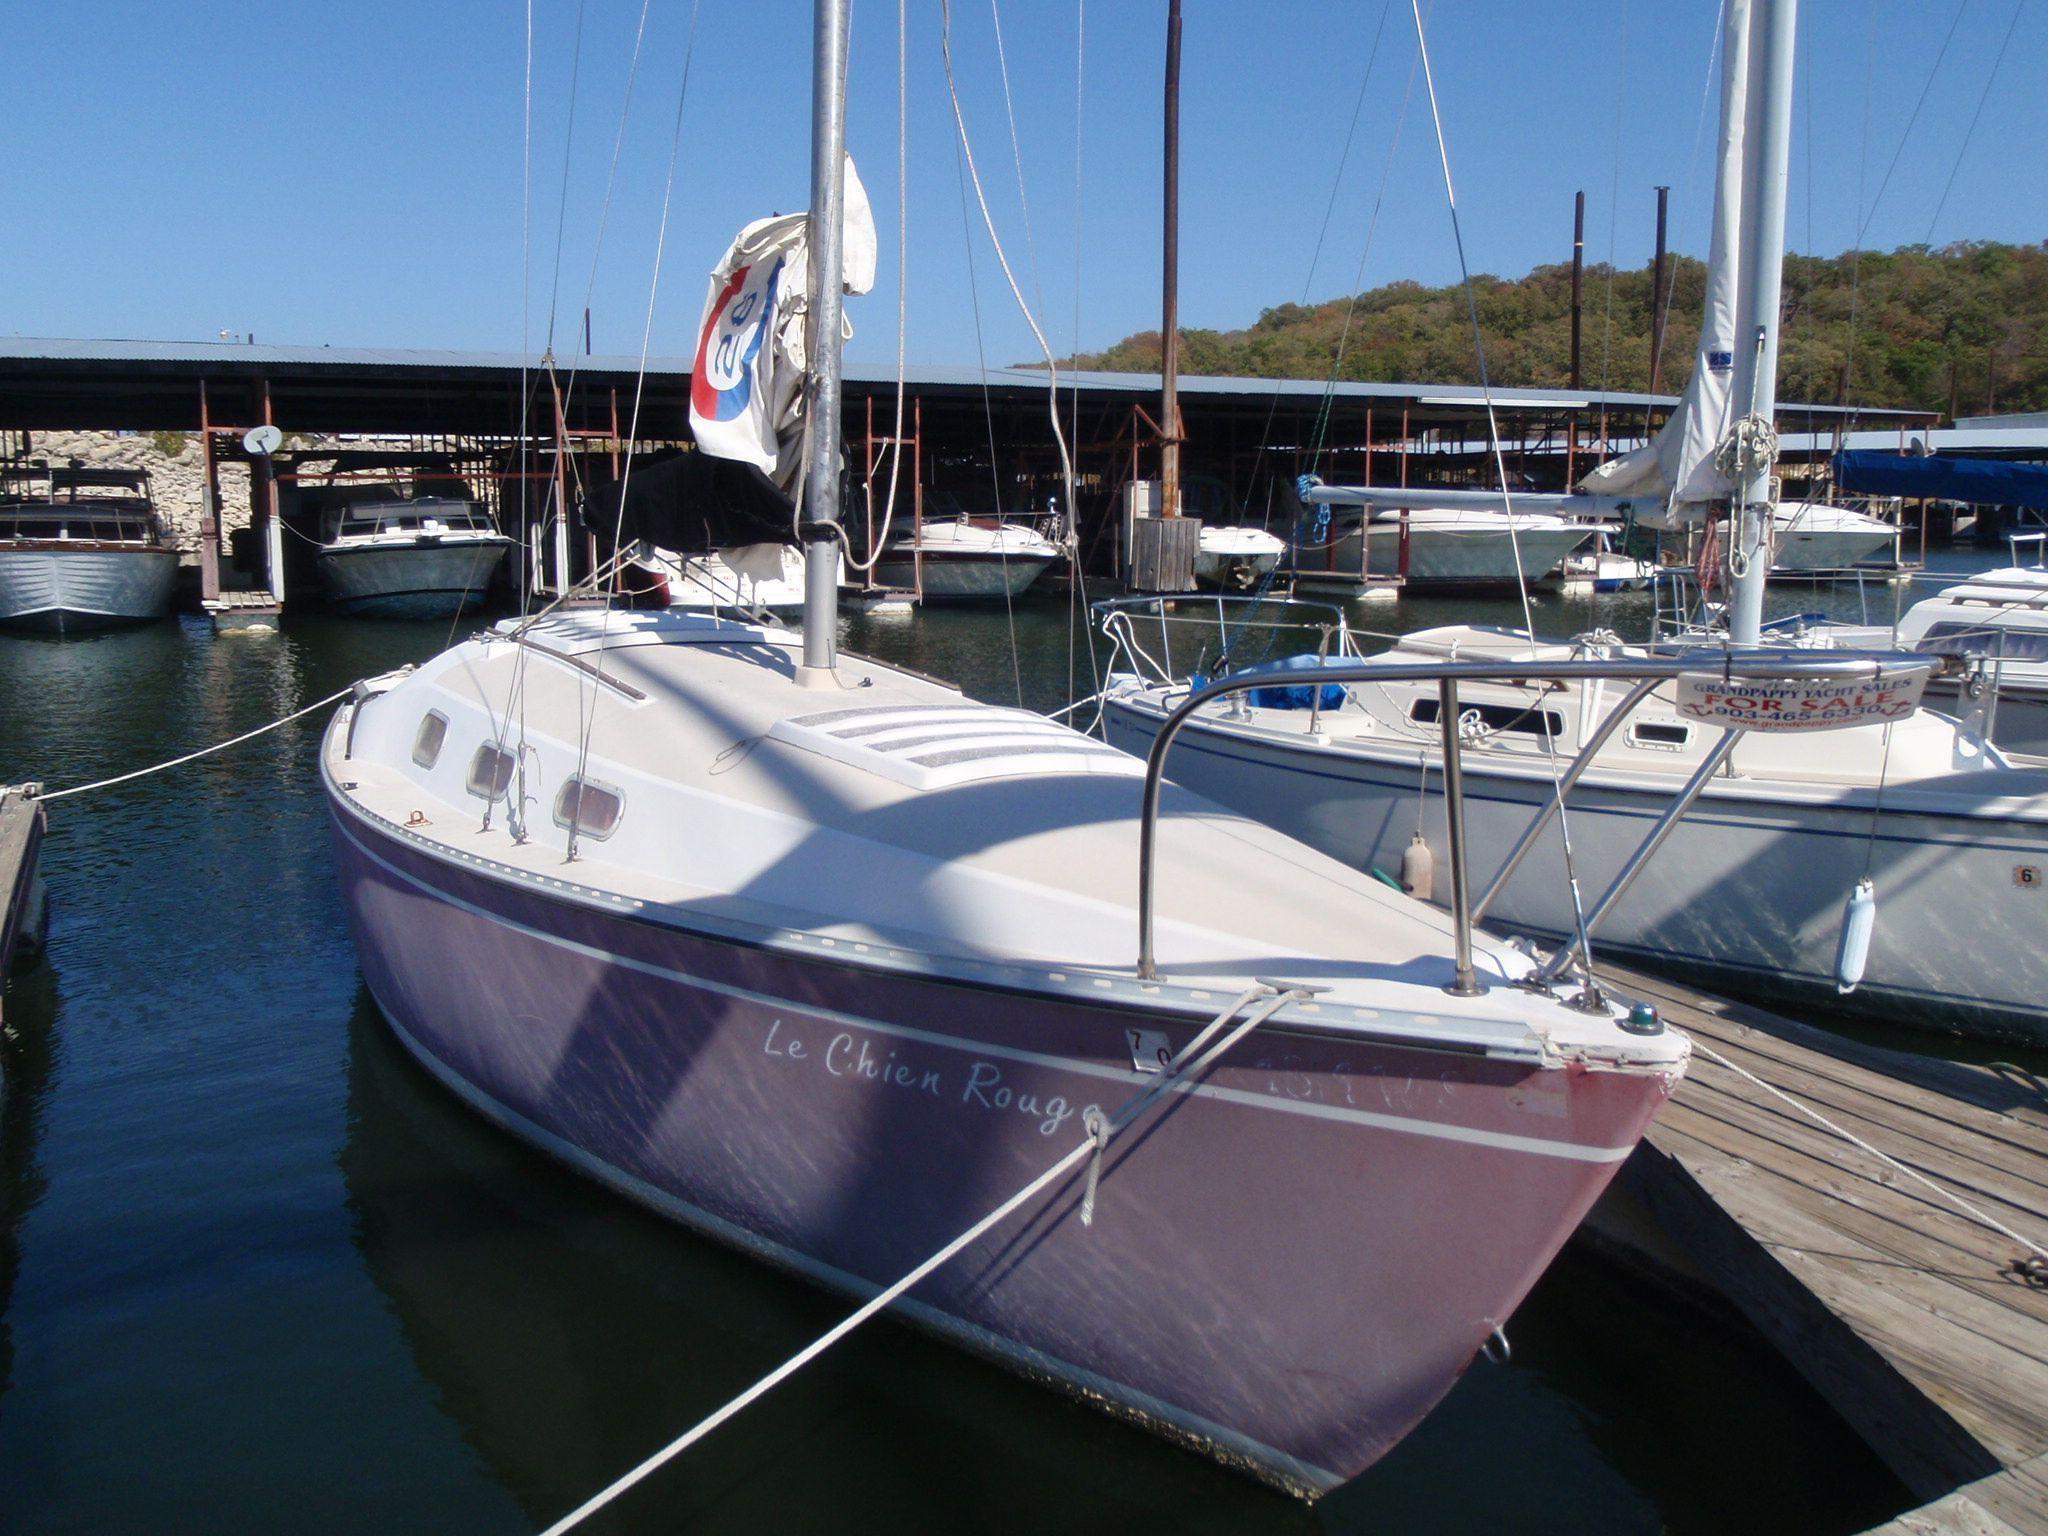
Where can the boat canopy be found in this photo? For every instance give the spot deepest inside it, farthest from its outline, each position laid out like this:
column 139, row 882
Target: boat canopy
column 1985, row 481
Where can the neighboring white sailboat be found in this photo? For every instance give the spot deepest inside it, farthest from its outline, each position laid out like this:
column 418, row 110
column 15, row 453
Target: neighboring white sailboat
column 1752, row 882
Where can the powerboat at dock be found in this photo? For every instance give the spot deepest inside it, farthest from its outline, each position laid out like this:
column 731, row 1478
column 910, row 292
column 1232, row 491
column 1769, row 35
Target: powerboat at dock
column 424, row 558
column 81, row 549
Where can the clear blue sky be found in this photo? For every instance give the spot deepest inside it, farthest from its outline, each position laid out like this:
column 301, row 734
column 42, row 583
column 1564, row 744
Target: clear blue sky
column 352, row 175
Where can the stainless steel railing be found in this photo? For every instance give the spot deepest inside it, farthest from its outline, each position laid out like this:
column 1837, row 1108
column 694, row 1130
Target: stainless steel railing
column 1727, row 664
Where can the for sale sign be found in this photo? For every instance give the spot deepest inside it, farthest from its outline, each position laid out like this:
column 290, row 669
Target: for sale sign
column 1798, row 704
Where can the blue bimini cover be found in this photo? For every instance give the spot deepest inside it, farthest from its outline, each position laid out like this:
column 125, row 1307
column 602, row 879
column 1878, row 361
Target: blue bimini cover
column 1297, row 696
column 1984, row 481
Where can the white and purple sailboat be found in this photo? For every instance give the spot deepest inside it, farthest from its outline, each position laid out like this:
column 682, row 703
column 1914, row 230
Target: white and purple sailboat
column 826, row 960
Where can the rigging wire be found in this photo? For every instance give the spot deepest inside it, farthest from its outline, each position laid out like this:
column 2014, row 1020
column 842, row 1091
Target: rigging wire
column 1983, row 96
column 1865, row 216
column 1501, row 467
column 589, row 720
column 989, row 417
column 1614, row 209
column 1329, row 212
column 1002, row 257
column 1328, row 403
column 880, row 541
column 562, row 196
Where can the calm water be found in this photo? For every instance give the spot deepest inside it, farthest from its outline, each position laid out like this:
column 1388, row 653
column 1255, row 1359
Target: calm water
column 257, row 1272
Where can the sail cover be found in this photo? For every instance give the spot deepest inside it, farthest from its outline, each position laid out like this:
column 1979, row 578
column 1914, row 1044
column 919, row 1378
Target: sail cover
column 1679, row 463
column 746, row 384
column 692, row 502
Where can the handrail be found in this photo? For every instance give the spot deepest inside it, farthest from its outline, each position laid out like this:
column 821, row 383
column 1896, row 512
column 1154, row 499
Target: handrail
column 1729, row 663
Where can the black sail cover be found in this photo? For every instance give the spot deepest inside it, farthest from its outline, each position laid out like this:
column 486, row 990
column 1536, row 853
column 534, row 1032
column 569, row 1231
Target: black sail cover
column 692, row 503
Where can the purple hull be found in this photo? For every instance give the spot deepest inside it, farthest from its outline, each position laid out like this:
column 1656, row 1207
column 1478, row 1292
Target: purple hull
column 1288, row 1267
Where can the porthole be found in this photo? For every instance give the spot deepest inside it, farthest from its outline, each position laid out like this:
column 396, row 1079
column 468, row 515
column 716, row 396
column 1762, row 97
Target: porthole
column 1665, row 735
column 589, row 808
column 490, row 772
column 426, row 746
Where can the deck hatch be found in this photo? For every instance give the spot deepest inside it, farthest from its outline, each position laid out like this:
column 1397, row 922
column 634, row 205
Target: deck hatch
column 936, row 746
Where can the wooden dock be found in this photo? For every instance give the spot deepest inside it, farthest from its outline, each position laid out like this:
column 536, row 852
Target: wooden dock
column 1922, row 1326
column 21, row 844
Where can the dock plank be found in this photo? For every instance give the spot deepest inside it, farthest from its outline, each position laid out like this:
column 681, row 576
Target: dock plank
column 21, row 841
column 1902, row 1310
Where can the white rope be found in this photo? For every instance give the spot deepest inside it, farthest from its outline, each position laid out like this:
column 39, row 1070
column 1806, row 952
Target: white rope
column 988, row 221
column 189, row 757
column 1177, row 1071
column 1976, row 1213
column 822, row 1343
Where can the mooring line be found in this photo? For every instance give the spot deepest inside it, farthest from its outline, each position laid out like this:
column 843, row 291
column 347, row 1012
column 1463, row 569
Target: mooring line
column 1974, row 1212
column 1176, row 1071
column 219, row 746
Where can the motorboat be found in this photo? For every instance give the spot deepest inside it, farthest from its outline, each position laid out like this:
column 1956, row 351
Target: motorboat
column 1445, row 549
column 1231, row 554
column 1603, row 568
column 1815, row 536
column 825, row 959
column 1748, row 887
column 955, row 555
column 748, row 579
column 426, row 557
column 1999, row 617
column 81, row 549
column 1236, row 556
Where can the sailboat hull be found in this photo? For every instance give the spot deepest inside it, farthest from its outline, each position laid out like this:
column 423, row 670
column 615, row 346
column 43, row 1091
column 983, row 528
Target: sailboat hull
column 1748, row 888
column 1289, row 1264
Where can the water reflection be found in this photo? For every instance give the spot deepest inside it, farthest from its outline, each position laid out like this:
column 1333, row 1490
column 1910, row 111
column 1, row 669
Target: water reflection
column 569, row 1334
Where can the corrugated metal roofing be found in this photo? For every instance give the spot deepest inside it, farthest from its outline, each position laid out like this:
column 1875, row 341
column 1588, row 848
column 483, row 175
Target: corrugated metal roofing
column 242, row 357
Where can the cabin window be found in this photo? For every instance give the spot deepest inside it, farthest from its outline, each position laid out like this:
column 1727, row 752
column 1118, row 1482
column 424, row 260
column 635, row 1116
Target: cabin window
column 490, row 771
column 1666, row 735
column 1526, row 720
column 426, row 746
column 588, row 808
column 2011, row 644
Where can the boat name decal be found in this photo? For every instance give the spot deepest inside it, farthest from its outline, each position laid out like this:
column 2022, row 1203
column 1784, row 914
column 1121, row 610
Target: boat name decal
column 851, row 1054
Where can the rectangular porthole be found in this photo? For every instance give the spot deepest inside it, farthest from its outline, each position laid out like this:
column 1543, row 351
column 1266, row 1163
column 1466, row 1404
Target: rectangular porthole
column 426, row 746
column 490, row 771
column 1528, row 721
column 1667, row 735
column 592, row 809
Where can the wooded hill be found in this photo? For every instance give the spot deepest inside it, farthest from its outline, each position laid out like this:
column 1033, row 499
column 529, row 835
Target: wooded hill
column 1963, row 329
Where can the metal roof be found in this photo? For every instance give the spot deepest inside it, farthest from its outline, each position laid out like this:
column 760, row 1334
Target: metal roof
column 2009, row 442
column 243, row 358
